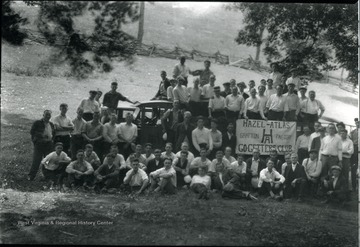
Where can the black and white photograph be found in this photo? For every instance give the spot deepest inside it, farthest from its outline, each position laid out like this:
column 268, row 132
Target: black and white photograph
column 179, row 123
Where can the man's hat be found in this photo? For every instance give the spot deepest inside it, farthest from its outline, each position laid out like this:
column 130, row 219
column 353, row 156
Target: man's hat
column 303, row 87
column 313, row 151
column 93, row 92
column 291, row 83
column 216, row 88
column 241, row 84
column 356, row 120
column 163, row 72
column 180, row 78
column 59, row 144
column 293, row 70
column 114, row 83
column 226, row 83
column 336, row 167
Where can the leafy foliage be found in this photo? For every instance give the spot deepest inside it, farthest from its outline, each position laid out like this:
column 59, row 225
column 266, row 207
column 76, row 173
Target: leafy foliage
column 83, row 51
column 10, row 24
column 310, row 35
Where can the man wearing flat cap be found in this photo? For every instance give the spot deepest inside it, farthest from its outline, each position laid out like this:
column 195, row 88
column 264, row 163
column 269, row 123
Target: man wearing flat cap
column 227, row 89
column 312, row 169
column 90, row 106
column 335, row 186
column 241, row 85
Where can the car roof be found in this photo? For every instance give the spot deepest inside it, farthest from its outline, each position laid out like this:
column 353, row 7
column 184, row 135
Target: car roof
column 149, row 103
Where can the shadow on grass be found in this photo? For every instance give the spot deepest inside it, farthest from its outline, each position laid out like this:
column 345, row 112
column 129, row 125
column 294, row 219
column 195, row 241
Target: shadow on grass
column 346, row 100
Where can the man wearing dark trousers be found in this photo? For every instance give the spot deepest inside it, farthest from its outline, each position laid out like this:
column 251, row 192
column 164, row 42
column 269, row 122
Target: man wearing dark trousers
column 63, row 126
column 42, row 133
column 295, row 179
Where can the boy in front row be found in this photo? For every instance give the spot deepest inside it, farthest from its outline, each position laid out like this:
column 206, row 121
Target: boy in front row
column 164, row 179
column 107, row 175
column 80, row 171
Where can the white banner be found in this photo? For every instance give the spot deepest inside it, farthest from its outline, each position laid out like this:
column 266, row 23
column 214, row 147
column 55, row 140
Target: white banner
column 265, row 135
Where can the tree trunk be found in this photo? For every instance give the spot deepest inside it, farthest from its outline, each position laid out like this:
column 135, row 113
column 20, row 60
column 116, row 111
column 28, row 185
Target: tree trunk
column 141, row 22
column 257, row 56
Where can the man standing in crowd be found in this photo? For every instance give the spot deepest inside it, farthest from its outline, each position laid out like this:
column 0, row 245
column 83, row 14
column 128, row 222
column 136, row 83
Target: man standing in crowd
column 294, row 79
column 216, row 136
column 293, row 103
column 315, row 134
column 181, row 93
column 128, row 133
column 155, row 163
column 201, row 137
column 63, row 125
column 316, row 142
column 330, row 151
column 277, row 105
column 252, row 104
column 263, row 100
column 111, row 98
column 184, row 147
column 181, row 69
column 234, row 103
column 355, row 156
column 302, row 145
column 310, row 110
column 229, row 138
column 227, row 90
column 42, row 133
column 208, row 93
column 275, row 74
column 90, row 106
column 195, row 98
column 170, row 90
column 170, row 120
column 270, row 89
column 271, row 182
column 217, row 104
column 347, row 151
column 204, row 73
column 251, row 85
column 110, row 134
column 163, row 86
column 76, row 135
column 241, row 85
column 295, row 179
column 312, row 168
column 183, row 132
column 93, row 134
column 202, row 160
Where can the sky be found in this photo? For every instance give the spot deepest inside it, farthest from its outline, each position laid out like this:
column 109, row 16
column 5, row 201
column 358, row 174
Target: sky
column 198, row 7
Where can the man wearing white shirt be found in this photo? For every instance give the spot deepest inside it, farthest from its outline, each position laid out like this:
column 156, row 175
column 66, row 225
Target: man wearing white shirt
column 312, row 169
column 76, row 134
column 293, row 103
column 270, row 181
column 275, row 74
column 219, row 160
column 201, row 182
column 208, row 89
column 252, row 105
column 128, row 133
column 63, row 127
column 347, row 151
column 263, row 100
column 136, row 180
column 277, row 105
column 330, row 151
column 181, row 93
column 234, row 103
column 110, row 133
column 184, row 147
column 270, row 89
column 168, row 152
column 310, row 109
column 170, row 90
column 294, row 79
column 199, row 161
column 148, row 155
column 201, row 136
column 228, row 152
column 239, row 167
column 181, row 69
column 164, row 179
column 90, row 106
column 217, row 104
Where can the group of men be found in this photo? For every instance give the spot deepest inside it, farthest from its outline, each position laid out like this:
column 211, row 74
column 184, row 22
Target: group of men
column 96, row 152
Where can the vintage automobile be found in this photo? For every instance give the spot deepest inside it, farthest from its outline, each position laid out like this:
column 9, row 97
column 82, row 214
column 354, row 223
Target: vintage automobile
column 147, row 116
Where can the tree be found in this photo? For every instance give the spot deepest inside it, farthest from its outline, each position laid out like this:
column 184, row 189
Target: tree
column 309, row 34
column 58, row 23
column 10, row 24
column 141, row 22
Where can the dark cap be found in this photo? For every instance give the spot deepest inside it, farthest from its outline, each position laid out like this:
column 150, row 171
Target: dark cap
column 58, row 144
column 93, row 92
column 114, row 83
column 216, row 88
column 241, row 84
column 226, row 83
column 303, row 88
column 336, row 168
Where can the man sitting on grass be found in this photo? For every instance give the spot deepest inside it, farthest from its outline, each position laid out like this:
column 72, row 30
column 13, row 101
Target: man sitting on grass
column 107, row 175
column 271, row 181
column 91, row 157
column 80, row 172
column 199, row 161
column 54, row 165
column 155, row 163
column 164, row 179
column 227, row 181
column 181, row 167
column 136, row 179
column 335, row 186
column 201, row 183
column 239, row 167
